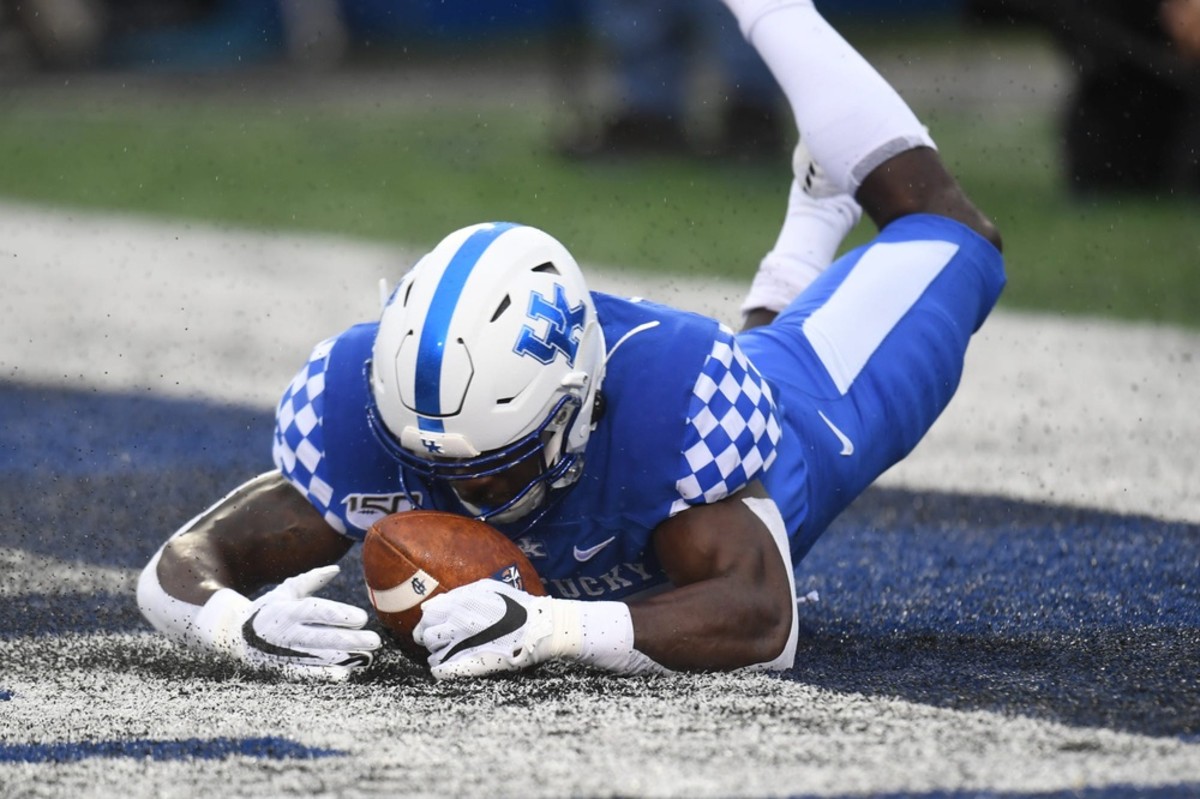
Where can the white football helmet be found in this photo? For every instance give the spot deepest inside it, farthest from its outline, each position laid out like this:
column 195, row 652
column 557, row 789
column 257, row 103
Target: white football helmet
column 489, row 356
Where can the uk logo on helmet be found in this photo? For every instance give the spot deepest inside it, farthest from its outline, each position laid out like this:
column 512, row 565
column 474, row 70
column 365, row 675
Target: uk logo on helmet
column 565, row 323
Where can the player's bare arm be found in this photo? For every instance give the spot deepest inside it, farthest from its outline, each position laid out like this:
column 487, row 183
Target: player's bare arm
column 732, row 601
column 259, row 535
column 198, row 587
column 730, row 605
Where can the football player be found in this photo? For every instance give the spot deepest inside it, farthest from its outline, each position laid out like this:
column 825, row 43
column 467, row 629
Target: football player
column 663, row 474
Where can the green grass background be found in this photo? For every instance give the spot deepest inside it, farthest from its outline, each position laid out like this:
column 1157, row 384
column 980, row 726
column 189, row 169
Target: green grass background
column 411, row 174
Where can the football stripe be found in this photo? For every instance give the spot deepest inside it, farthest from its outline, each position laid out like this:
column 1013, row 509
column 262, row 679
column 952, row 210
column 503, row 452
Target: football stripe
column 408, row 594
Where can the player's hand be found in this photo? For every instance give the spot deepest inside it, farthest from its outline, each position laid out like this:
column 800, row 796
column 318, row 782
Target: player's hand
column 485, row 627
column 290, row 630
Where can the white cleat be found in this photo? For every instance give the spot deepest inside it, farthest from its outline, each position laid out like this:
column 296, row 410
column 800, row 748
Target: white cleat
column 809, row 175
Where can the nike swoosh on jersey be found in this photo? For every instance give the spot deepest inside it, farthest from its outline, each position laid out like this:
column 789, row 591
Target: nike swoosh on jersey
column 582, row 555
column 513, row 619
column 847, row 444
column 262, row 645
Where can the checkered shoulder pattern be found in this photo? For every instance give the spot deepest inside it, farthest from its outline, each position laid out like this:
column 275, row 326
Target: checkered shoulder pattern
column 299, row 449
column 732, row 430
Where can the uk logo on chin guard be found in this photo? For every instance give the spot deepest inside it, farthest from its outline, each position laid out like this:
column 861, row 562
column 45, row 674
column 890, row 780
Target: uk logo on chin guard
column 510, row 575
column 564, row 325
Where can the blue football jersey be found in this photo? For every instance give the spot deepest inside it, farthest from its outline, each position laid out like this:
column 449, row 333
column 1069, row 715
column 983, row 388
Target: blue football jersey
column 687, row 420
column 816, row 405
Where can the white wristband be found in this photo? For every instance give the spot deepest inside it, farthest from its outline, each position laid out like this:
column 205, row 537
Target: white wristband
column 211, row 625
column 168, row 615
column 174, row 617
column 218, row 621
column 599, row 634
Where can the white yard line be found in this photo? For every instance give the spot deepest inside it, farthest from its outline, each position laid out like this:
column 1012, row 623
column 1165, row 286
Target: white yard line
column 1080, row 412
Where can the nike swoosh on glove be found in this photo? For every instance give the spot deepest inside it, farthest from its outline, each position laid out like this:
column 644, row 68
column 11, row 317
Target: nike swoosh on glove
column 290, row 630
column 486, row 627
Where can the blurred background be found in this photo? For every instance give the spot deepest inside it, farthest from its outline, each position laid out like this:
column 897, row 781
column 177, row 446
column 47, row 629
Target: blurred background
column 646, row 136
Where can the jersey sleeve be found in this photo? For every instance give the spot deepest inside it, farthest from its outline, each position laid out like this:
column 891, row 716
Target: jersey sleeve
column 732, row 430
column 323, row 441
column 299, row 448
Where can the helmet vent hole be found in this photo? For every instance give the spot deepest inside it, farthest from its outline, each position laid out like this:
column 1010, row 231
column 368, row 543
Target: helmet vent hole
column 505, row 400
column 407, row 291
column 501, row 308
column 547, row 268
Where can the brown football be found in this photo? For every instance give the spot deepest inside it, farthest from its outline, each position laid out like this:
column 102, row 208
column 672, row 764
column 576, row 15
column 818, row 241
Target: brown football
column 410, row 556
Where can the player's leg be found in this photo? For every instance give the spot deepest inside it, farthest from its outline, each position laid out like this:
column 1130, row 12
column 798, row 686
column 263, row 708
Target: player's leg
column 865, row 360
column 917, row 182
column 868, row 142
column 858, row 128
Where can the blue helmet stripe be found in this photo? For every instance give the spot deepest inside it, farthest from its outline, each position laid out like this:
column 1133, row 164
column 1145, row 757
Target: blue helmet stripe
column 432, row 347
column 427, row 425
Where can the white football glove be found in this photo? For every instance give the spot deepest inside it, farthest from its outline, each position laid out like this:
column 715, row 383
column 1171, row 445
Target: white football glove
column 289, row 630
column 488, row 627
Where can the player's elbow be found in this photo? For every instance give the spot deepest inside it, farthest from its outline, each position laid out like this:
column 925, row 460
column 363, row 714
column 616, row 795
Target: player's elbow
column 774, row 626
column 764, row 630
column 154, row 602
